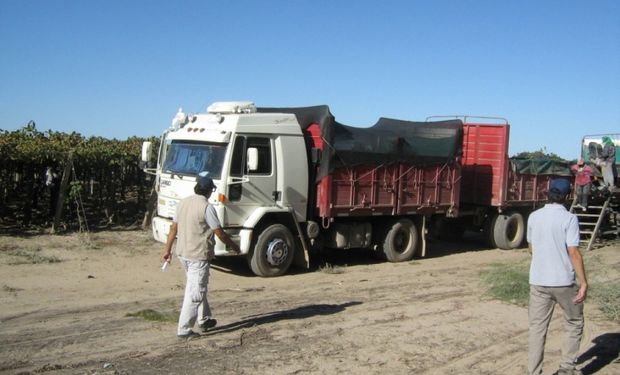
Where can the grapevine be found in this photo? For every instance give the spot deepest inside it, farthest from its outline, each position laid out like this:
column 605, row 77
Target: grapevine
column 107, row 176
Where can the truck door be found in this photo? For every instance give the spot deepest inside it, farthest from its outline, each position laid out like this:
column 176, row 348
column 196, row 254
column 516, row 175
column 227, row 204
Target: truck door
column 260, row 188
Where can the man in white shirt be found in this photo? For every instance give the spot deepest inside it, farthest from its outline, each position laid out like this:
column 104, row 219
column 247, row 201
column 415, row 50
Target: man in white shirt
column 553, row 239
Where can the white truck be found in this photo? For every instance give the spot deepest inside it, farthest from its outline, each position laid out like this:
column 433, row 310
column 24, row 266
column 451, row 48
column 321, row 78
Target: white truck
column 292, row 179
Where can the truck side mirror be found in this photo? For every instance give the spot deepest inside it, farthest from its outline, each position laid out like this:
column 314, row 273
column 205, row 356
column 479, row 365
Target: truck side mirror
column 252, row 159
column 146, row 151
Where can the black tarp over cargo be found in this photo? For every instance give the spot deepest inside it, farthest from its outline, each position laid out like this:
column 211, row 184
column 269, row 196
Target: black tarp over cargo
column 388, row 141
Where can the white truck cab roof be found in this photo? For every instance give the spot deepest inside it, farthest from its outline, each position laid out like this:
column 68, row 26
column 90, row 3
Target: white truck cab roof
column 222, row 118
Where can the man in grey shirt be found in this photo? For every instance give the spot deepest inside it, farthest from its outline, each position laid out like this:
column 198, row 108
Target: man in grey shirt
column 553, row 239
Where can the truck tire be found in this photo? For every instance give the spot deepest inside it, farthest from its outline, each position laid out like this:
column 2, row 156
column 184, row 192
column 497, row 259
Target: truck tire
column 273, row 252
column 401, row 241
column 487, row 231
column 509, row 230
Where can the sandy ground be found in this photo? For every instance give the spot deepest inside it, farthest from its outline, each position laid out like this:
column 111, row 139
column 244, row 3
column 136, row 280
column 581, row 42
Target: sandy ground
column 429, row 316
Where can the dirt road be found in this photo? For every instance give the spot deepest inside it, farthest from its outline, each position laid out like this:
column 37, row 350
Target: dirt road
column 65, row 300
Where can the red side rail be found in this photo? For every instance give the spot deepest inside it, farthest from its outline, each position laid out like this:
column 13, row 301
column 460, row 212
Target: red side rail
column 395, row 189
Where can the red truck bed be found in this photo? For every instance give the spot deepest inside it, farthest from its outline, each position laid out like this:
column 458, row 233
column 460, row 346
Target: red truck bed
column 489, row 178
column 395, row 189
column 386, row 189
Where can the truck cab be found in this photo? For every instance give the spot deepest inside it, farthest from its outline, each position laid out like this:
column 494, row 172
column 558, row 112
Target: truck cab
column 259, row 165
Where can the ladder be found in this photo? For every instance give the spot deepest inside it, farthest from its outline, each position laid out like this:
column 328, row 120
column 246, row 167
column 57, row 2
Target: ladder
column 591, row 222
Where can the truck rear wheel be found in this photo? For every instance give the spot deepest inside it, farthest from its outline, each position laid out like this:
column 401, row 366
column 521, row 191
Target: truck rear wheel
column 273, row 252
column 509, row 230
column 487, row 230
column 401, row 241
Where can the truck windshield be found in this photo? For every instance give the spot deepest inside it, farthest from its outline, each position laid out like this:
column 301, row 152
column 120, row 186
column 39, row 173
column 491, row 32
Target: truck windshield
column 193, row 158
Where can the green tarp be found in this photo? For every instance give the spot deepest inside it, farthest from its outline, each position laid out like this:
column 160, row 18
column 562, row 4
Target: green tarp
column 540, row 166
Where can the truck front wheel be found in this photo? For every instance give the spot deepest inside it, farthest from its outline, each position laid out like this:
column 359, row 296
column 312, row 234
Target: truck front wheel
column 273, row 251
column 509, row 230
column 401, row 241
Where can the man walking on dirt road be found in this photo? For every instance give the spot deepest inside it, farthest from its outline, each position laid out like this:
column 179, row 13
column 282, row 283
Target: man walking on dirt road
column 195, row 223
column 553, row 241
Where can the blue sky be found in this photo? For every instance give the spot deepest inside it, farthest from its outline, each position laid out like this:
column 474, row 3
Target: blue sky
column 122, row 68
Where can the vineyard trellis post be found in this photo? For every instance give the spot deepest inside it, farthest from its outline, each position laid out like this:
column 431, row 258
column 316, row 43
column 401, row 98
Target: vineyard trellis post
column 66, row 174
column 151, row 207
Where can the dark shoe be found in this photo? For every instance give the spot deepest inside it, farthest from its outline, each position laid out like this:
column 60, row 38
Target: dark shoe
column 189, row 336
column 208, row 324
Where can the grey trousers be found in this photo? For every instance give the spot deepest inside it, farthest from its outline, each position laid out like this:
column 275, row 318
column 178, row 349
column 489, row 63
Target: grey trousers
column 583, row 192
column 195, row 302
column 542, row 302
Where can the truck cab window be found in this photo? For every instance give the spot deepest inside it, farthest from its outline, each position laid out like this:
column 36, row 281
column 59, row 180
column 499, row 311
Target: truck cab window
column 242, row 143
column 192, row 158
column 238, row 159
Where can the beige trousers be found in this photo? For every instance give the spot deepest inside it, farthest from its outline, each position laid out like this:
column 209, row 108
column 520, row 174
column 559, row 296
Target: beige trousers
column 195, row 302
column 542, row 302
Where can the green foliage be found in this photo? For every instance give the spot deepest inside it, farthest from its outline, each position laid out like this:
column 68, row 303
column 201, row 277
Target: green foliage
column 540, row 154
column 608, row 298
column 508, row 282
column 28, row 145
column 75, row 190
column 108, row 169
column 154, row 316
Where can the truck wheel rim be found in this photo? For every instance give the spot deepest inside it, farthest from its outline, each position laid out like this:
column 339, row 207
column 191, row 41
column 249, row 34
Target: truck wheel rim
column 277, row 251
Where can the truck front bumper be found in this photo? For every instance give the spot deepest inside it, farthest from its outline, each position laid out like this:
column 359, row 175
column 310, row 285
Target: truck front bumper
column 161, row 228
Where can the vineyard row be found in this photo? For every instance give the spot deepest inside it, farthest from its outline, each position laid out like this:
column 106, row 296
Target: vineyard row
column 106, row 184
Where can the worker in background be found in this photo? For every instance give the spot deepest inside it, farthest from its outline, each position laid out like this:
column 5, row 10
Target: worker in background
column 195, row 223
column 583, row 175
column 553, row 242
column 608, row 163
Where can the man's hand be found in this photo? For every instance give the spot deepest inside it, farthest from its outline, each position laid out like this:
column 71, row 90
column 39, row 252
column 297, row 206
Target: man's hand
column 172, row 235
column 231, row 246
column 235, row 249
column 580, row 271
column 581, row 294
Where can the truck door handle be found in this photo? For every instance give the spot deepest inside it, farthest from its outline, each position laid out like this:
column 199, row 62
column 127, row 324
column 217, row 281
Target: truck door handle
column 276, row 195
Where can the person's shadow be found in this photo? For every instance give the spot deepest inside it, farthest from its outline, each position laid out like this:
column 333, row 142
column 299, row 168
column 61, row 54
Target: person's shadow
column 301, row 312
column 605, row 351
